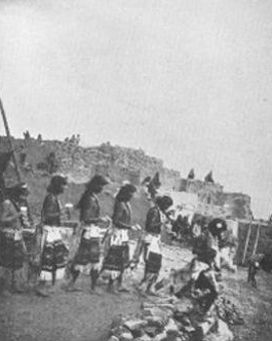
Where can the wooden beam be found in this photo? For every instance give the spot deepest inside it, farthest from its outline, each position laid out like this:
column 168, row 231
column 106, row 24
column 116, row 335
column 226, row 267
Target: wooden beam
column 256, row 240
column 253, row 222
column 246, row 243
column 10, row 141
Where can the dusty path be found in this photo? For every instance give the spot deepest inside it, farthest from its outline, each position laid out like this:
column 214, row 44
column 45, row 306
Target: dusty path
column 84, row 317
column 77, row 316
column 255, row 305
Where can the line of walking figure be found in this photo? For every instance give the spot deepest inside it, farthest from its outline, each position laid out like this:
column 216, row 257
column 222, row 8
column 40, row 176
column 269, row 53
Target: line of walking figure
column 32, row 250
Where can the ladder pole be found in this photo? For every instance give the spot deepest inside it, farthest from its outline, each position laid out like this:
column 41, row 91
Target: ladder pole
column 246, row 243
column 10, row 141
column 256, row 240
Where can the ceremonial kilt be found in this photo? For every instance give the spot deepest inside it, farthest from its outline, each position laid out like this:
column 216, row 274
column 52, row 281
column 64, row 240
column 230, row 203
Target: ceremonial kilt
column 117, row 258
column 54, row 252
column 12, row 251
column 89, row 246
column 153, row 258
column 153, row 263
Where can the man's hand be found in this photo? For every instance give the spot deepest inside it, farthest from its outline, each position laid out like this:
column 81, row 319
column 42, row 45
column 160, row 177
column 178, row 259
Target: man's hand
column 106, row 220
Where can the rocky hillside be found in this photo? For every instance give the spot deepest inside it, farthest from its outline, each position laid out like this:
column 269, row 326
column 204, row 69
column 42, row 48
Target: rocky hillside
column 38, row 159
column 79, row 163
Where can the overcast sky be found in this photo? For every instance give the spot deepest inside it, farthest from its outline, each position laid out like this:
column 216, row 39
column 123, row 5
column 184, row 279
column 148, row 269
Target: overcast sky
column 189, row 81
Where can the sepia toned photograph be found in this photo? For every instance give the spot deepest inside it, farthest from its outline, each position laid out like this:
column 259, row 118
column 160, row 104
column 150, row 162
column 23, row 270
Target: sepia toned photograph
column 135, row 170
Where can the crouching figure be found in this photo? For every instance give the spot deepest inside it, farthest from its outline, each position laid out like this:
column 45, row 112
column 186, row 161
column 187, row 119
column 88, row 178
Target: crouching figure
column 206, row 272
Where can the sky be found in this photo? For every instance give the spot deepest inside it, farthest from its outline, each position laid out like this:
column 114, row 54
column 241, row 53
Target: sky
column 188, row 81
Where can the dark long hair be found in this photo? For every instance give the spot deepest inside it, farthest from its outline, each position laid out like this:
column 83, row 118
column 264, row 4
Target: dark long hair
column 56, row 184
column 91, row 187
column 125, row 191
column 164, row 202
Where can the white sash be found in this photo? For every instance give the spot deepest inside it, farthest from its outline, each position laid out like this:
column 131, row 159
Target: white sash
column 52, row 233
column 92, row 231
column 154, row 242
column 13, row 234
column 119, row 237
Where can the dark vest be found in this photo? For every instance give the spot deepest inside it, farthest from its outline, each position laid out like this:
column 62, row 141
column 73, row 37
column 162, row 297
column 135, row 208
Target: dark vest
column 51, row 205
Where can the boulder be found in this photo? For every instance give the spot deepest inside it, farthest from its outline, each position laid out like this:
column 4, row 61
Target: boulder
column 204, row 328
column 161, row 337
column 171, row 328
column 144, row 337
column 136, row 326
column 157, row 321
column 223, row 333
column 126, row 336
column 158, row 311
column 113, row 338
column 119, row 330
column 152, row 330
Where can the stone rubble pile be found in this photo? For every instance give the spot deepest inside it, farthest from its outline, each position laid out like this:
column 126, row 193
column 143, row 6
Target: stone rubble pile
column 228, row 312
column 173, row 319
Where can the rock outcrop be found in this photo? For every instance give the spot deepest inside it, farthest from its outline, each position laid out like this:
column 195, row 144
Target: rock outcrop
column 120, row 164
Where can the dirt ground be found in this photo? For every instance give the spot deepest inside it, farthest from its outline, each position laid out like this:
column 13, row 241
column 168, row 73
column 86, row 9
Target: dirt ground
column 255, row 305
column 81, row 316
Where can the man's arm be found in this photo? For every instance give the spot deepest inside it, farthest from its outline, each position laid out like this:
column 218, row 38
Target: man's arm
column 8, row 213
column 89, row 211
column 117, row 217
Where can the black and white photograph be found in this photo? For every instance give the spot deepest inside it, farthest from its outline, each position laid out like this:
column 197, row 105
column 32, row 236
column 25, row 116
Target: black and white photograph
column 135, row 170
